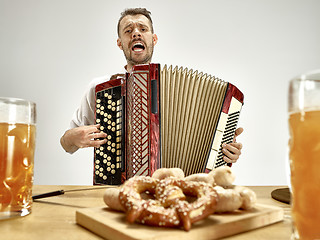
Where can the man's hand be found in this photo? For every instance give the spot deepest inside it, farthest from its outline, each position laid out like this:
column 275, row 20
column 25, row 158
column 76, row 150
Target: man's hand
column 82, row 137
column 232, row 150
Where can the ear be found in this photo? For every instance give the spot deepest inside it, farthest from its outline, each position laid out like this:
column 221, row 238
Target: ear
column 119, row 43
column 155, row 39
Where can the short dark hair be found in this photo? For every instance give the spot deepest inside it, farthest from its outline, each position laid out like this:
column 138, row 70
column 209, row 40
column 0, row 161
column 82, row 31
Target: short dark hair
column 135, row 11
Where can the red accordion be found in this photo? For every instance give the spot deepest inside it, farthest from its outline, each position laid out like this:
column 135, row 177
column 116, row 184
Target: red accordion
column 166, row 117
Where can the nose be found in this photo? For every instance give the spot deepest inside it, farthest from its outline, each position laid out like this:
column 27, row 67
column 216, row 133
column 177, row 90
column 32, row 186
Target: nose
column 136, row 33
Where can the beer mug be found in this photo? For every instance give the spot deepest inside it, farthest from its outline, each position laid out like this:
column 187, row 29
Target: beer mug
column 304, row 154
column 17, row 145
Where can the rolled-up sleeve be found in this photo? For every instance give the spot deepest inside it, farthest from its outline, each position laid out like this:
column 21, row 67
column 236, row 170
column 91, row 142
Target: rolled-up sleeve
column 84, row 115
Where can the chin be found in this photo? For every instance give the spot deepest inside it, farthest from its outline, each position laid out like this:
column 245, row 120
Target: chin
column 137, row 62
column 141, row 59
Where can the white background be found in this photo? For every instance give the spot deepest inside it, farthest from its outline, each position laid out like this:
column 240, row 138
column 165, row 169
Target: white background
column 51, row 49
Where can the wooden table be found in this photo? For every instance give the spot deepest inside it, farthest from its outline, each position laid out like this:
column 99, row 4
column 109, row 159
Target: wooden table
column 54, row 217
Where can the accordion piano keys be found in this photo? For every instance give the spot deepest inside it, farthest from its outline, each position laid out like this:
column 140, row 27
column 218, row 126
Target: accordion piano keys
column 224, row 133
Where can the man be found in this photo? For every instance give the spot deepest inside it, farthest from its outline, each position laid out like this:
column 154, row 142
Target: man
column 136, row 39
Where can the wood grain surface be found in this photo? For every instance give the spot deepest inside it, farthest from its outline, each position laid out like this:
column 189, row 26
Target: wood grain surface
column 55, row 217
column 110, row 224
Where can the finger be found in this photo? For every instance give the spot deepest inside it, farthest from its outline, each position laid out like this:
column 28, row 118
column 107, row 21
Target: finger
column 96, row 136
column 94, row 133
column 228, row 160
column 237, row 133
column 94, row 128
column 231, row 152
column 236, row 145
column 93, row 143
column 101, row 135
column 232, row 159
column 97, row 143
column 233, row 147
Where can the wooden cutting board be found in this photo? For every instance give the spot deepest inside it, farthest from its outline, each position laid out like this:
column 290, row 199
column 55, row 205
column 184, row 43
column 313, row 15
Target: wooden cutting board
column 110, row 224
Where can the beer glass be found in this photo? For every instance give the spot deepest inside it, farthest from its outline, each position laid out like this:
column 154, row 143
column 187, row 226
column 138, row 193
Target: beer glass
column 304, row 154
column 17, row 145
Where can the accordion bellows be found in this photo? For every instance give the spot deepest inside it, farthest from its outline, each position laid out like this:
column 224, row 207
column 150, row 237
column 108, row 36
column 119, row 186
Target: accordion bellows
column 190, row 107
column 169, row 117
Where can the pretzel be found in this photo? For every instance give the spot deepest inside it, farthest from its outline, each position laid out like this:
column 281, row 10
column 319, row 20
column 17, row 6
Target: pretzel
column 163, row 173
column 248, row 196
column 201, row 177
column 231, row 197
column 229, row 200
column 223, row 176
column 111, row 198
column 169, row 207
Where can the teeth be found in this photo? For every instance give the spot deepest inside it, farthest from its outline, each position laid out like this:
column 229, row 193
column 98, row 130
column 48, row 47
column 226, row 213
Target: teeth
column 138, row 47
column 137, row 44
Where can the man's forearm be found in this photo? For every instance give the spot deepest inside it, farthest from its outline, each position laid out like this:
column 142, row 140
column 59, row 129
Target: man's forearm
column 70, row 148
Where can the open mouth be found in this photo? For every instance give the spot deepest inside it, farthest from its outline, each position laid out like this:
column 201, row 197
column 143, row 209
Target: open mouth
column 138, row 47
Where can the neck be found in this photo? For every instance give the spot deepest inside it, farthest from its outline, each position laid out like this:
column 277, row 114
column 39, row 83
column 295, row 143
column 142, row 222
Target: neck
column 130, row 65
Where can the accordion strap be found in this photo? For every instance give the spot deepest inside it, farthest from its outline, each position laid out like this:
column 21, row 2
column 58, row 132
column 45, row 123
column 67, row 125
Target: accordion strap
column 117, row 75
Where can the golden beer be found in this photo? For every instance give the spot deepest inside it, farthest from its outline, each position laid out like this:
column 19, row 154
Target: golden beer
column 16, row 168
column 305, row 176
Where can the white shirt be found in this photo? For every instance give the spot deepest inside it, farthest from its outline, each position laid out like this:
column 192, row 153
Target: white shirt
column 84, row 115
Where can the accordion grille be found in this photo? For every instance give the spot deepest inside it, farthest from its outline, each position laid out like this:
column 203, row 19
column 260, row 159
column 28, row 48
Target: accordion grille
column 138, row 124
column 190, row 108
